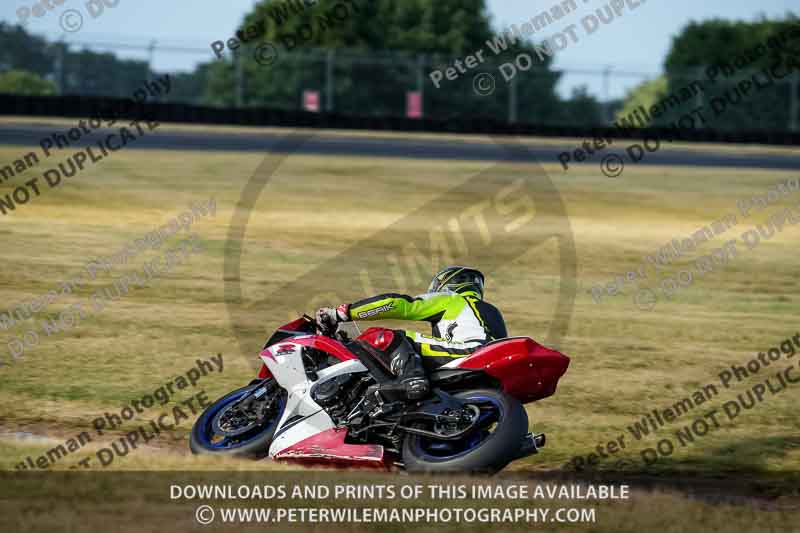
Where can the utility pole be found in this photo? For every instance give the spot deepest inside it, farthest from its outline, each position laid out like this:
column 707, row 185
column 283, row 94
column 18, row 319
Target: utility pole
column 607, row 93
column 61, row 47
column 329, row 86
column 150, row 55
column 795, row 109
column 512, row 100
column 238, row 65
column 151, row 49
column 421, row 83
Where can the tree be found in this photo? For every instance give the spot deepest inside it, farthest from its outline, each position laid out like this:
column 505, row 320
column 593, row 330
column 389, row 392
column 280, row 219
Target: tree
column 582, row 109
column 190, row 87
column 367, row 53
column 90, row 73
column 425, row 26
column 82, row 72
column 404, row 42
column 644, row 95
column 747, row 48
column 20, row 50
column 25, row 83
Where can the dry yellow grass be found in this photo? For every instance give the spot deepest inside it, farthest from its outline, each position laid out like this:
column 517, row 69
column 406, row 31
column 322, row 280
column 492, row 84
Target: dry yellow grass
column 625, row 361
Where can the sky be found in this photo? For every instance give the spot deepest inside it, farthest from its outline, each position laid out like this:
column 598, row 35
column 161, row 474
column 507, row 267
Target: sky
column 633, row 45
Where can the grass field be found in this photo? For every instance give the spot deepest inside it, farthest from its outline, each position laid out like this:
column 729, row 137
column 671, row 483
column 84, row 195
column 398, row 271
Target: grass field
column 315, row 211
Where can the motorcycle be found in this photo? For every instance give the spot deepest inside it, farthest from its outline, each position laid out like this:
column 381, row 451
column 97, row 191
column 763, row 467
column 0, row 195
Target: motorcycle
column 315, row 401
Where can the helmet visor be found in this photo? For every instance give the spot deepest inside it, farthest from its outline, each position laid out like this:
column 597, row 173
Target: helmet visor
column 463, row 281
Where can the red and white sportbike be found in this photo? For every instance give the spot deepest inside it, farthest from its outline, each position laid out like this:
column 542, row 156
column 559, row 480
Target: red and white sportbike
column 314, row 401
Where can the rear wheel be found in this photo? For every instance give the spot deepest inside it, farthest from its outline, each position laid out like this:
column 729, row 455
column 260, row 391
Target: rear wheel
column 500, row 423
column 240, row 423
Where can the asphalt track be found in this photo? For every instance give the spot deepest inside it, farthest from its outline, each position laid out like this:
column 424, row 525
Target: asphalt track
column 343, row 144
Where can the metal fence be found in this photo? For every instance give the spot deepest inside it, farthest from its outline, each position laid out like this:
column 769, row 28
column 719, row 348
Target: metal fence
column 396, row 84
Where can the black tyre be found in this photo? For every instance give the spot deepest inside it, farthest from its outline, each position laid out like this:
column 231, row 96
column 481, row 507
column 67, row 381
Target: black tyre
column 254, row 438
column 493, row 444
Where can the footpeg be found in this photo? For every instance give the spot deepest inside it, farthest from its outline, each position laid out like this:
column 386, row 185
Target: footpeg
column 530, row 445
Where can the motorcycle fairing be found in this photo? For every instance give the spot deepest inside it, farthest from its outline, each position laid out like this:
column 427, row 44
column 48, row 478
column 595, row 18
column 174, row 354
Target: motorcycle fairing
column 305, row 430
column 527, row 370
column 330, row 346
column 333, row 347
column 329, row 446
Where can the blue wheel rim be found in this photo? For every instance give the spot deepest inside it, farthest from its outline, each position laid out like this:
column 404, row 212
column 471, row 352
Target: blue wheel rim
column 491, row 411
column 207, row 434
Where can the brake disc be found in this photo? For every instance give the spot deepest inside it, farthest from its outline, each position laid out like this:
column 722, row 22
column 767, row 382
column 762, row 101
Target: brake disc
column 445, row 428
column 233, row 421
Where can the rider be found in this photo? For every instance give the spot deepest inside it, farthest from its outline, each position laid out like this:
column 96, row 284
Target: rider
column 461, row 321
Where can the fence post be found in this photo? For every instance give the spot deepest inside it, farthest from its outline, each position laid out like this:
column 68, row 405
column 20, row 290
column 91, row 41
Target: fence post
column 238, row 65
column 607, row 94
column 151, row 49
column 794, row 111
column 512, row 99
column 699, row 102
column 421, row 82
column 59, row 70
column 329, row 82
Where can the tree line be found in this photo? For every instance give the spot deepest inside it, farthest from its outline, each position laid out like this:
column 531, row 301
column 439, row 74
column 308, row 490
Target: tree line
column 364, row 56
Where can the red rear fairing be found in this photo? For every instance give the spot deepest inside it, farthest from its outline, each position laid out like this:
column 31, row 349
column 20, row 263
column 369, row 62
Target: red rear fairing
column 527, row 370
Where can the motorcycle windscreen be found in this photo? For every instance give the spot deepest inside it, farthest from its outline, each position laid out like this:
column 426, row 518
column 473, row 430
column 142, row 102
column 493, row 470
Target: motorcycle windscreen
column 300, row 326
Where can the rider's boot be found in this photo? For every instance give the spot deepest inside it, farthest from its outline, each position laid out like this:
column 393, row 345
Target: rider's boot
column 411, row 382
column 411, row 376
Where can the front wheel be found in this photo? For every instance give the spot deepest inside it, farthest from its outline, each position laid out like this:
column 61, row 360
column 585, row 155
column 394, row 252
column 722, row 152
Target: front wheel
column 240, row 423
column 500, row 425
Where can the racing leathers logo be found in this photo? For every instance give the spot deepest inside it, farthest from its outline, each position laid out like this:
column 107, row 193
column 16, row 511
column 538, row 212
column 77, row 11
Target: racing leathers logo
column 376, row 311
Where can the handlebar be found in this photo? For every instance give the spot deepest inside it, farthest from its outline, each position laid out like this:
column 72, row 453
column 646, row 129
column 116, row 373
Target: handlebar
column 338, row 335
